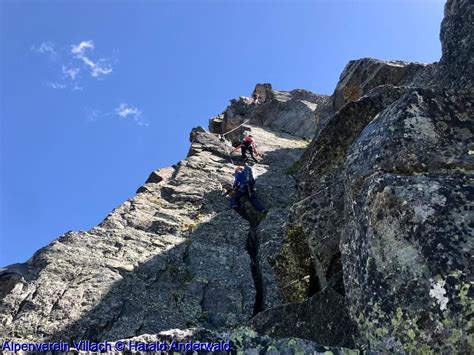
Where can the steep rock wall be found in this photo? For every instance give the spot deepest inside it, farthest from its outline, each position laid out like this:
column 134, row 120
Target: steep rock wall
column 298, row 112
column 408, row 234
column 173, row 256
column 457, row 33
column 385, row 189
column 369, row 246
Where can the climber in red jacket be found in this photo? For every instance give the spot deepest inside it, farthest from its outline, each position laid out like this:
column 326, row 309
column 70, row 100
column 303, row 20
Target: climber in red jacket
column 248, row 145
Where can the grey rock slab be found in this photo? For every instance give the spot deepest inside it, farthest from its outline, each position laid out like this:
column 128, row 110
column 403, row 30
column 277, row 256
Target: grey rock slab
column 408, row 242
column 173, row 256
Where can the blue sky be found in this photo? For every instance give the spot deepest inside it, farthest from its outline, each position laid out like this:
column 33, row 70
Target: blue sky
column 97, row 94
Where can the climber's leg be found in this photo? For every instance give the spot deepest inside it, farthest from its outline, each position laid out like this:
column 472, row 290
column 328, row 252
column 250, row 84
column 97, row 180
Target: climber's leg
column 243, row 150
column 251, row 154
column 256, row 203
column 235, row 200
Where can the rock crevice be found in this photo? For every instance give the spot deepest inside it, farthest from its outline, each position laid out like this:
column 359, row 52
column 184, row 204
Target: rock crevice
column 367, row 243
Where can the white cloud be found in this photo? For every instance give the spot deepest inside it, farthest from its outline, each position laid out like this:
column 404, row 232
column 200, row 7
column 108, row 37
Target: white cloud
column 124, row 110
column 56, row 85
column 77, row 88
column 81, row 47
column 93, row 114
column 97, row 68
column 70, row 72
column 44, row 48
column 74, row 63
column 100, row 69
column 87, row 61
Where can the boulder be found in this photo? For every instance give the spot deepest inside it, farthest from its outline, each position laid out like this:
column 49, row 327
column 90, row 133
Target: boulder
column 360, row 76
column 323, row 318
column 457, row 33
column 408, row 234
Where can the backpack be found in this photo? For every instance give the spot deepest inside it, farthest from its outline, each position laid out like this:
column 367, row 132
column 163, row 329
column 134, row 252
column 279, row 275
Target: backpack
column 247, row 140
column 248, row 177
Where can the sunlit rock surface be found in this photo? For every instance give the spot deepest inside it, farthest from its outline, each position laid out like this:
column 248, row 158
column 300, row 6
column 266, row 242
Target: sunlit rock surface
column 367, row 243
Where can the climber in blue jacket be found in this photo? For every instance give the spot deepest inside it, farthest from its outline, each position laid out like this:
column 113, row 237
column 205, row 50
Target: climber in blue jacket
column 244, row 185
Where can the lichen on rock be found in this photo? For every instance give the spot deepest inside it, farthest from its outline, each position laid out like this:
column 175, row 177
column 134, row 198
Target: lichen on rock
column 367, row 244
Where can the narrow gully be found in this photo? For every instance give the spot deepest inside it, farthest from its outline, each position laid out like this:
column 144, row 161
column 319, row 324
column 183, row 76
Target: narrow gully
column 252, row 249
column 252, row 246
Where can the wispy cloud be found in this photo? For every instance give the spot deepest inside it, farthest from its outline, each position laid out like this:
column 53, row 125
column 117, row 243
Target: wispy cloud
column 56, row 85
column 77, row 62
column 44, row 48
column 70, row 72
column 98, row 67
column 93, row 114
column 82, row 47
column 77, row 88
column 124, row 110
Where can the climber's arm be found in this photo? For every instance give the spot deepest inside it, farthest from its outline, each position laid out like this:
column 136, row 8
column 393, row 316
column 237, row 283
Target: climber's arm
column 254, row 146
column 236, row 148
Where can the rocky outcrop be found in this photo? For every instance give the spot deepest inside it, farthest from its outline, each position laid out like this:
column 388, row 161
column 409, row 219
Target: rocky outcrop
column 298, row 112
column 161, row 260
column 322, row 318
column 173, row 256
column 241, row 340
column 384, row 194
column 408, row 233
column 367, row 243
column 457, row 33
column 319, row 211
column 361, row 76
column 385, row 190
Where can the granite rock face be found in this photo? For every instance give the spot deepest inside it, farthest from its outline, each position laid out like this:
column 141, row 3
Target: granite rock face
column 173, row 256
column 367, row 243
column 161, row 260
column 318, row 213
column 321, row 318
column 298, row 112
column 409, row 224
column 457, row 33
column 241, row 340
column 386, row 193
column 360, row 76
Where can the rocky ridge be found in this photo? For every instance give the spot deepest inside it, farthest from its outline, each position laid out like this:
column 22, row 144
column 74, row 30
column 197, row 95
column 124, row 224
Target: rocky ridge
column 174, row 256
column 367, row 243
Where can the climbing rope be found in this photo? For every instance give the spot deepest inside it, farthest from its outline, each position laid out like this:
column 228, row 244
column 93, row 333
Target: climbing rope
column 230, row 156
column 232, row 130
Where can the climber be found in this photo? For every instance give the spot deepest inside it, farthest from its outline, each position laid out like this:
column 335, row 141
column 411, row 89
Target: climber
column 244, row 185
column 255, row 97
column 248, row 144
